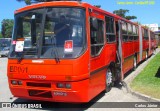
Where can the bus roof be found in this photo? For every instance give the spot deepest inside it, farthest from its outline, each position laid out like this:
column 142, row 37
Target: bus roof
column 70, row 3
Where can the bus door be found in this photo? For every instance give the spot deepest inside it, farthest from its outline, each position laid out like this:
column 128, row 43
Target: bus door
column 119, row 47
column 97, row 51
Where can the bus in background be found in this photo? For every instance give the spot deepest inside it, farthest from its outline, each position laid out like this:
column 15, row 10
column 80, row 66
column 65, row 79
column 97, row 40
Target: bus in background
column 153, row 42
column 94, row 48
column 146, row 42
column 4, row 46
column 5, row 42
column 157, row 35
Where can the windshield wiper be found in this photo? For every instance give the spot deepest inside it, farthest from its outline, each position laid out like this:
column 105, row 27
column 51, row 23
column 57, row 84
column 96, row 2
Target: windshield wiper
column 54, row 50
column 56, row 55
column 29, row 51
column 20, row 58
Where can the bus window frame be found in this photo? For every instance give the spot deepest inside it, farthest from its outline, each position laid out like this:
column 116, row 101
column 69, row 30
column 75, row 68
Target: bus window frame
column 136, row 34
column 146, row 34
column 124, row 22
column 130, row 34
column 103, row 30
column 108, row 34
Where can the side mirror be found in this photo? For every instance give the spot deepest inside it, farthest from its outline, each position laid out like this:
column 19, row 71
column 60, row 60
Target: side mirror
column 94, row 23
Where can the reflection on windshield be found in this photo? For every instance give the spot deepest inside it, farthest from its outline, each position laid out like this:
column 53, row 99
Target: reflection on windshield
column 27, row 42
column 63, row 35
column 26, row 34
column 62, row 25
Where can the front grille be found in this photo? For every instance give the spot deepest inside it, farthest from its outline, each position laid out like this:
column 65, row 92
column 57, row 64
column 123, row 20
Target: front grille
column 44, row 85
column 40, row 93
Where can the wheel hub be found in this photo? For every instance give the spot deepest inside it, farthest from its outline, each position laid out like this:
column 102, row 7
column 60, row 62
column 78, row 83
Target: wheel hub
column 109, row 77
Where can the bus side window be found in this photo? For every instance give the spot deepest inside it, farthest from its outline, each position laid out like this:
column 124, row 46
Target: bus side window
column 96, row 36
column 130, row 32
column 110, row 30
column 146, row 37
column 124, row 32
column 135, row 32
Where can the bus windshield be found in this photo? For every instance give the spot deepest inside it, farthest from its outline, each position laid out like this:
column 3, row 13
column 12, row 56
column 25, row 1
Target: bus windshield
column 49, row 33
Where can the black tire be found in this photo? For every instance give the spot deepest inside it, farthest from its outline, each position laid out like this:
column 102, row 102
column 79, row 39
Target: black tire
column 134, row 63
column 146, row 54
column 154, row 51
column 109, row 79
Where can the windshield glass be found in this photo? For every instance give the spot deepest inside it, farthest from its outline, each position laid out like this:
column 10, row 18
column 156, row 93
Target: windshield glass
column 26, row 34
column 49, row 33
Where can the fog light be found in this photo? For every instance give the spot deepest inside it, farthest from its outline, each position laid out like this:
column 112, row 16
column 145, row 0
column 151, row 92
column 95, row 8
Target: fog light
column 68, row 86
column 13, row 82
column 60, row 85
column 19, row 82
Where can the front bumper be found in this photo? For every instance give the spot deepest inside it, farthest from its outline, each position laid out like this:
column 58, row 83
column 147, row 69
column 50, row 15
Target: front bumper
column 77, row 93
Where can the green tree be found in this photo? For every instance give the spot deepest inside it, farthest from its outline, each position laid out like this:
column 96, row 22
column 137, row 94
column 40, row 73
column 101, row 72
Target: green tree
column 122, row 13
column 98, row 6
column 137, row 22
column 130, row 17
column 0, row 35
column 28, row 2
column 7, row 27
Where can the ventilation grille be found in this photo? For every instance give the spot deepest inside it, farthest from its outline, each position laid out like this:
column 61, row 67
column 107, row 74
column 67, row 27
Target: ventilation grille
column 44, row 85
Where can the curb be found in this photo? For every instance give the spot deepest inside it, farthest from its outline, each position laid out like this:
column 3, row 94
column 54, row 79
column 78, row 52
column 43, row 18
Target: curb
column 129, row 79
column 143, row 96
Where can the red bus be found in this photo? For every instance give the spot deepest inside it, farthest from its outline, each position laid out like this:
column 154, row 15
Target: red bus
column 75, row 52
column 157, row 36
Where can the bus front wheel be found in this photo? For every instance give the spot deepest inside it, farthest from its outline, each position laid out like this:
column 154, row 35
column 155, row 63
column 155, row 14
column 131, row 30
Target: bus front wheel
column 109, row 79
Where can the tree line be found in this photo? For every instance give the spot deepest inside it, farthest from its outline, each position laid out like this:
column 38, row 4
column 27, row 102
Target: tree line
column 7, row 24
column 6, row 28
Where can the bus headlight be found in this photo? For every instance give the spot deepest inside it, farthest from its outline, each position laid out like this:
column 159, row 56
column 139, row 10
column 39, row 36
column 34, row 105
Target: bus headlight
column 63, row 85
column 60, row 85
column 13, row 82
column 19, row 82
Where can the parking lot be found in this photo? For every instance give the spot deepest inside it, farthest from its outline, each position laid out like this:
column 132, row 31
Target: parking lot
column 117, row 94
